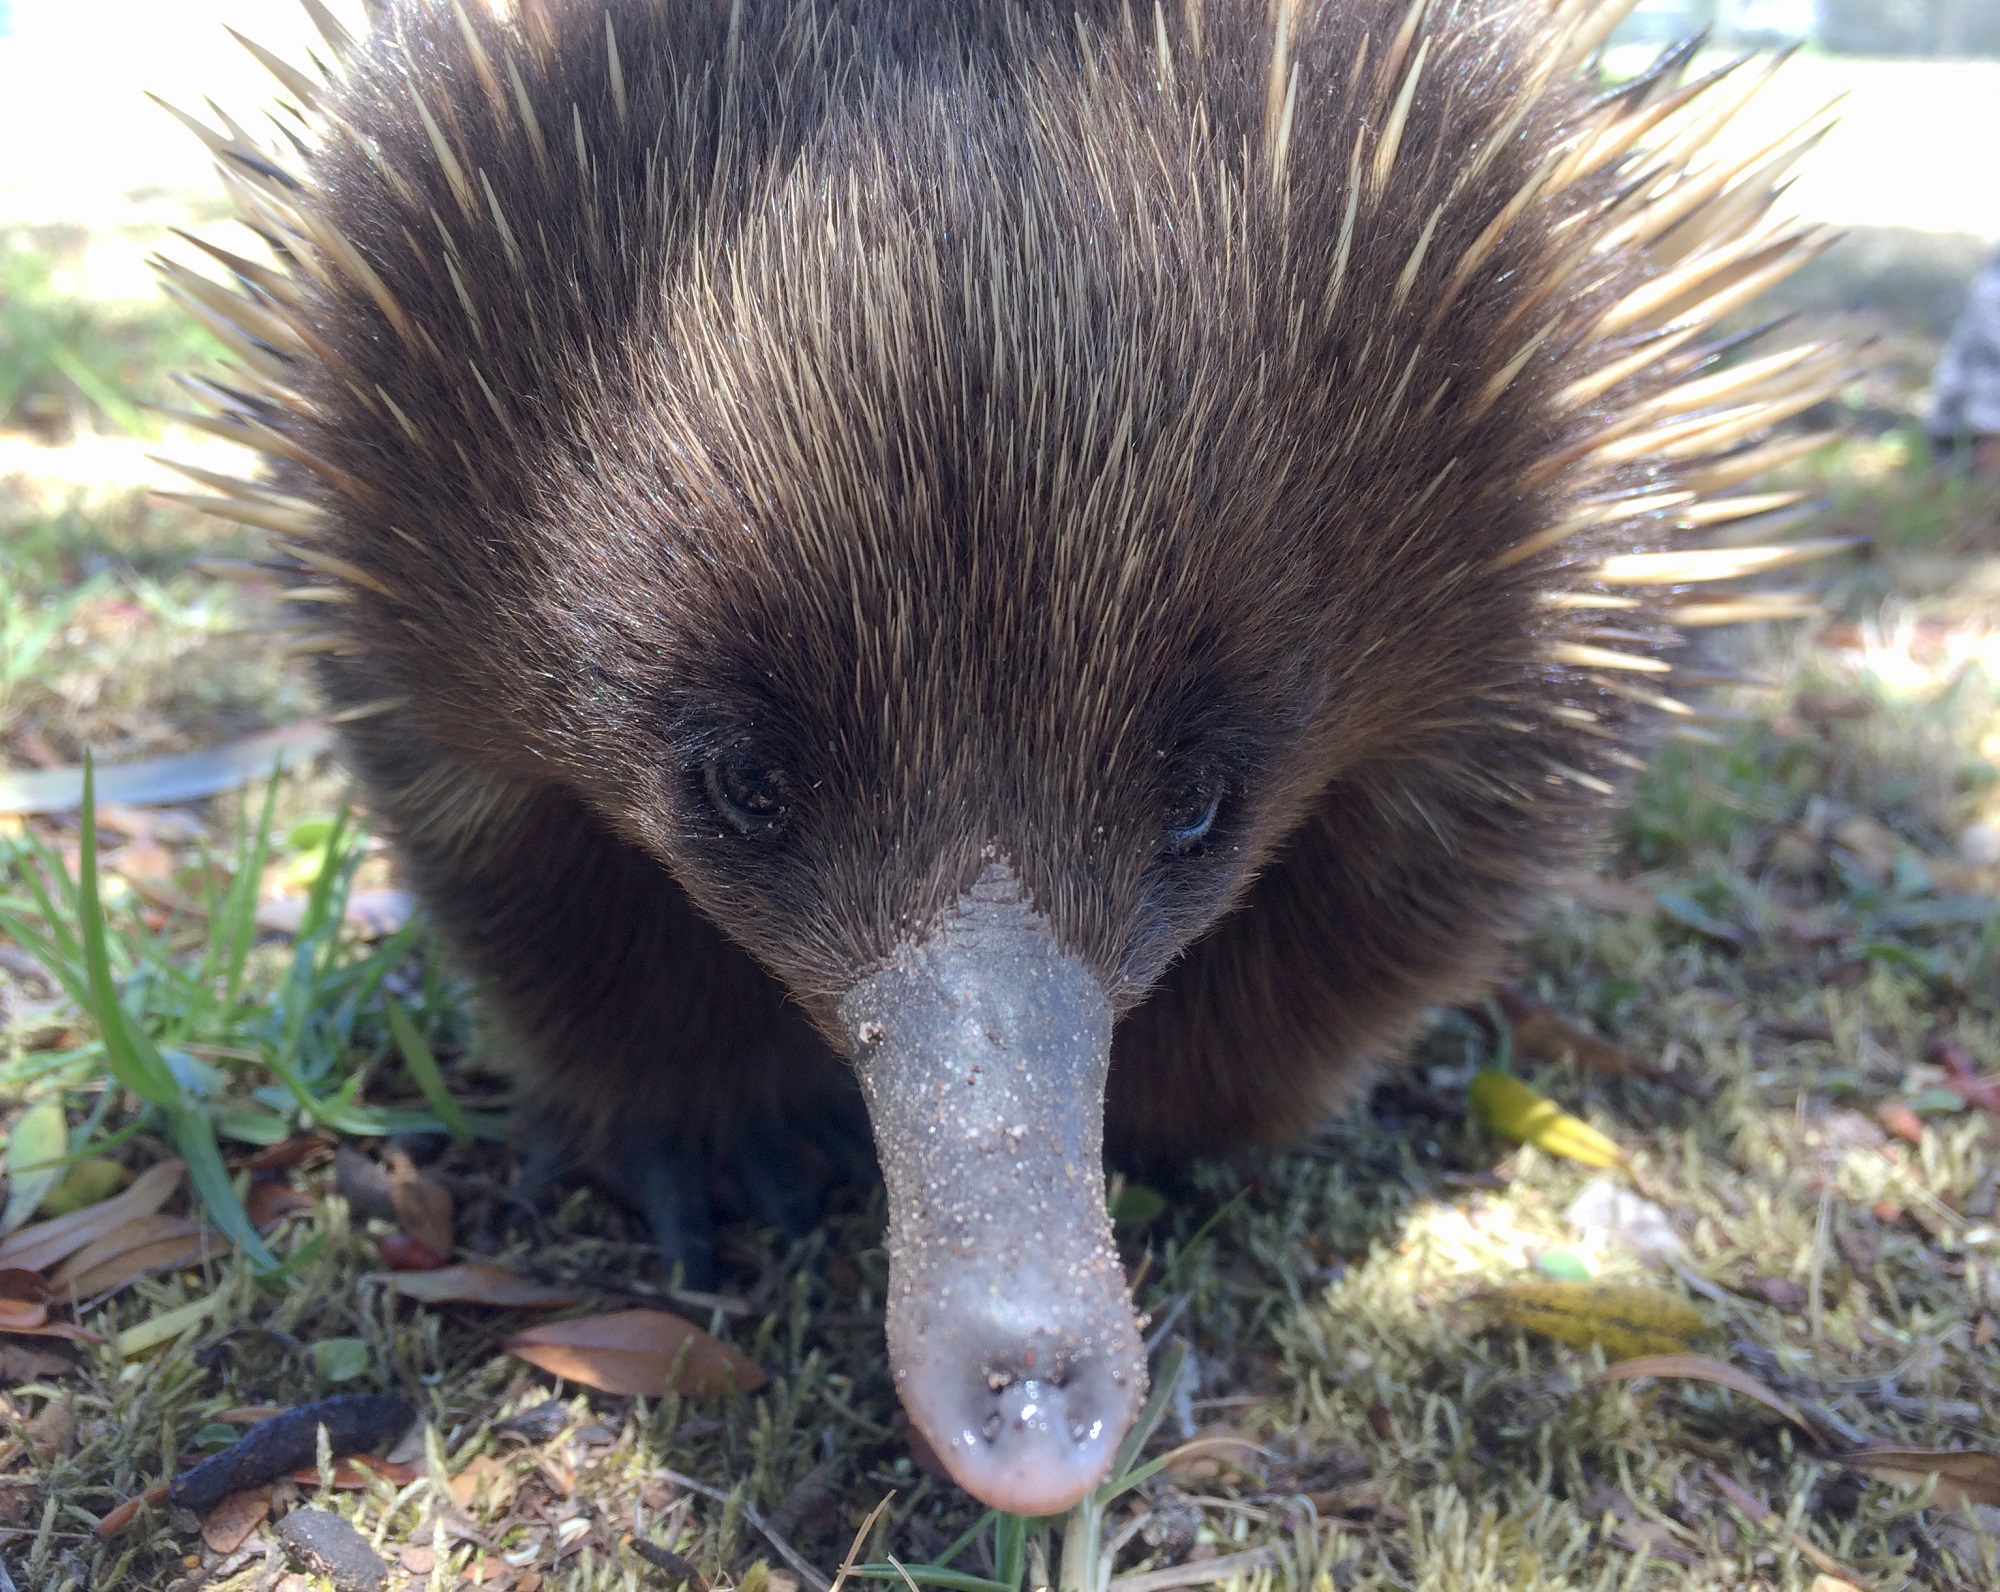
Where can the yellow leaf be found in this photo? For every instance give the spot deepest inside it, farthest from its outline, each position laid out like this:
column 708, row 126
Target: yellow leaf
column 1627, row 1321
column 84, row 1184
column 35, row 1151
column 1505, row 1105
column 171, row 1324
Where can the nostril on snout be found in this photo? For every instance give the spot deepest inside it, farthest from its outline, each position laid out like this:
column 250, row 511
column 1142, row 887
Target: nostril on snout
column 1030, row 1430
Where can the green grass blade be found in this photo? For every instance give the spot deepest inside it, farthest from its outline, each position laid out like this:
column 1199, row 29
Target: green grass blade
column 970, row 1536
column 1149, row 1417
column 423, row 1067
column 1010, row 1546
column 239, row 915
column 49, row 865
column 1171, row 1272
column 194, row 1136
column 127, row 1048
column 66, row 970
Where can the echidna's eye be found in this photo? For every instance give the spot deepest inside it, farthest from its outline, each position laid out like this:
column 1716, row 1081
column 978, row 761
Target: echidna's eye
column 1193, row 815
column 748, row 795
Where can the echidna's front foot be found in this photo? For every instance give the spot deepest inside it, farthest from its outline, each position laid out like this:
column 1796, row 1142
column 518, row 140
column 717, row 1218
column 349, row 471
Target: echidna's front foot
column 671, row 1186
column 774, row 1170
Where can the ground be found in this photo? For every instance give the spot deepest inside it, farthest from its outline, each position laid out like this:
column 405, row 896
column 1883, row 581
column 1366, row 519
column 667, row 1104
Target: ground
column 1790, row 959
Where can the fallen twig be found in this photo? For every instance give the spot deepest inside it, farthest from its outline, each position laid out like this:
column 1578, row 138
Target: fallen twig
column 1203, row 1572
column 786, row 1551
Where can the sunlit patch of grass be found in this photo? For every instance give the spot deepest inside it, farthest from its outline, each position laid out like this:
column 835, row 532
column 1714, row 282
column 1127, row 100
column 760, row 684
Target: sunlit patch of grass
column 1905, row 494
column 68, row 361
column 112, row 636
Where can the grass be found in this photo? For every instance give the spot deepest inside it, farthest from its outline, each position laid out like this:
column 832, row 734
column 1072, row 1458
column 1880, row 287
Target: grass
column 68, row 362
column 1792, row 924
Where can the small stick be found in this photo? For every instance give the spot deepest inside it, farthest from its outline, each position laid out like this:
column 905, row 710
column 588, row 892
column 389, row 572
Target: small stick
column 786, row 1551
column 1813, row 1300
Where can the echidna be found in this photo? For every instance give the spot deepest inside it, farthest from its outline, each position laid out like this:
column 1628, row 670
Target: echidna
column 1078, row 562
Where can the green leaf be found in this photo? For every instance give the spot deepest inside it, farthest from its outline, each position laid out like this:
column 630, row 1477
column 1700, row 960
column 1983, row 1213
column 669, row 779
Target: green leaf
column 36, row 1151
column 423, row 1067
column 248, row 1125
column 340, row 1359
column 310, row 833
column 1563, row 1265
column 236, row 918
column 1946, row 912
column 1689, row 914
column 1170, row 1273
column 1137, row 1205
column 376, row 1122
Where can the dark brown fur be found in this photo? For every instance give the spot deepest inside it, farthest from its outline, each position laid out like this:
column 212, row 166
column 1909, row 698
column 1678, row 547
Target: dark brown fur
column 947, row 403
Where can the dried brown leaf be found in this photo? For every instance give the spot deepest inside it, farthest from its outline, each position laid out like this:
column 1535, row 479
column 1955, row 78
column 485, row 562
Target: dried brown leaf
column 270, row 1203
column 354, row 1473
column 230, row 1522
column 288, row 1153
column 423, row 1207
column 22, row 1315
column 478, row 1283
column 485, row 1486
column 52, row 1433
column 1899, row 1119
column 1700, row 1368
column 401, row 1252
column 1780, row 1292
column 20, row 1363
column 1544, row 1035
column 635, row 1351
column 146, row 1244
column 1964, row 1475
column 247, row 1414
column 41, row 1246
column 55, row 1329
column 17, row 1284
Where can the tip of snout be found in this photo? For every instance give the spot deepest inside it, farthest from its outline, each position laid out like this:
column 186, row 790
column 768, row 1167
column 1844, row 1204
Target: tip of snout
column 1027, row 1444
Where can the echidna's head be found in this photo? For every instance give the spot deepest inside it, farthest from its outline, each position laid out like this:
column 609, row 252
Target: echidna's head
column 977, row 593
column 976, row 670
column 970, row 546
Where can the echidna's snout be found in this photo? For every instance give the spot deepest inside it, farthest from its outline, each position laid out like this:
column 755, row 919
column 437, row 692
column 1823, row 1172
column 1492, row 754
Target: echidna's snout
column 983, row 1051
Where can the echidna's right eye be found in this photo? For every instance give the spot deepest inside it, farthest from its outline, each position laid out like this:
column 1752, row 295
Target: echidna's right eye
column 748, row 795
column 1192, row 816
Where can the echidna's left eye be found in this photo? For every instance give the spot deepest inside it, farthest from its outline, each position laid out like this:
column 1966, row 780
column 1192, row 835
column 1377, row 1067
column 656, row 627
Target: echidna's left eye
column 748, row 795
column 1193, row 815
